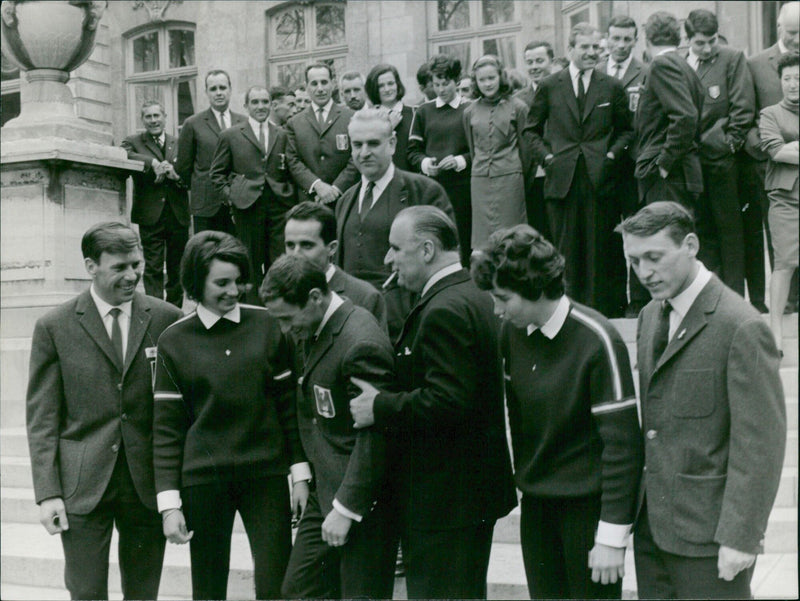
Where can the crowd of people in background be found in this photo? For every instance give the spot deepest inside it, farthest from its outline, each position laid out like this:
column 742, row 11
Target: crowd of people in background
column 349, row 258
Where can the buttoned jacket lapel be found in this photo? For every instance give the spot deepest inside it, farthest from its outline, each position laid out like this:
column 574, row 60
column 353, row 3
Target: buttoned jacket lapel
column 91, row 321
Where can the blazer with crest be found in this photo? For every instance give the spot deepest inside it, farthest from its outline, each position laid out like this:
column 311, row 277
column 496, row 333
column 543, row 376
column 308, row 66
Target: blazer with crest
column 196, row 144
column 83, row 407
column 149, row 197
column 321, row 152
column 714, row 419
column 631, row 81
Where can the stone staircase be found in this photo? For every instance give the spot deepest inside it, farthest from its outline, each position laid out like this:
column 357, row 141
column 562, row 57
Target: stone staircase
column 31, row 561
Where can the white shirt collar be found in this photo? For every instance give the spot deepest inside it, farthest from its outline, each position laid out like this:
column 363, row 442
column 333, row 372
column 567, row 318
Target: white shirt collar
column 326, row 109
column 103, row 307
column 782, row 47
column 336, row 302
column 226, row 113
column 397, row 108
column 256, row 125
column 684, row 301
column 380, row 186
column 329, row 272
column 553, row 325
column 667, row 49
column 624, row 65
column 209, row 318
column 455, row 102
column 442, row 273
column 573, row 72
column 693, row 59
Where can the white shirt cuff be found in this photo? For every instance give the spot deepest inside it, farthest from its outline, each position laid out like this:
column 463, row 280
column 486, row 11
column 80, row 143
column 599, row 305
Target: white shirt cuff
column 612, row 535
column 300, row 472
column 461, row 162
column 345, row 511
column 168, row 499
column 425, row 165
column 311, row 189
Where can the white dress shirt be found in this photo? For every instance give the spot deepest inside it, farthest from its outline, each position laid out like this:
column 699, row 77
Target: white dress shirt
column 226, row 116
column 587, row 78
column 684, row 301
column 377, row 190
column 326, row 110
column 611, row 67
column 441, row 274
column 105, row 313
column 553, row 326
column 256, row 126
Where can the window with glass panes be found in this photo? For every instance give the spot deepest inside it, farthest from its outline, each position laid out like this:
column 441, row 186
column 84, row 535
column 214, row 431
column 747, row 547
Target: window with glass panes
column 160, row 65
column 304, row 33
column 469, row 29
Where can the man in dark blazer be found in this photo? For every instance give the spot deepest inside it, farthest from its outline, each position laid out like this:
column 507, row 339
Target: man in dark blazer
column 196, row 144
column 667, row 122
column 311, row 232
column 319, row 148
column 446, row 428
column 579, row 125
column 90, row 420
column 160, row 203
column 728, row 113
column 345, row 547
column 713, row 415
column 250, row 171
column 362, row 225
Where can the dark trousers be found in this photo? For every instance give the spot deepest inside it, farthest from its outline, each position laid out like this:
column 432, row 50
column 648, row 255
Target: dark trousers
column 556, row 536
column 753, row 203
column 263, row 504
column 662, row 575
column 535, row 206
column 88, row 540
column 459, row 192
column 252, row 228
column 653, row 188
column 219, row 222
column 363, row 567
column 446, row 564
column 722, row 250
column 162, row 243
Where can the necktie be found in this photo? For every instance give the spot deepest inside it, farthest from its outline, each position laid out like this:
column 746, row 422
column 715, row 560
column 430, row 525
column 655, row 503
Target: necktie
column 366, row 203
column 261, row 137
column 618, row 71
column 221, row 122
column 661, row 336
column 320, row 116
column 116, row 334
column 158, row 144
column 581, row 93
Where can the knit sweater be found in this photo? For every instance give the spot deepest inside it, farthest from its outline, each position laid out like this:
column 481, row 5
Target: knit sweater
column 224, row 402
column 572, row 411
column 437, row 133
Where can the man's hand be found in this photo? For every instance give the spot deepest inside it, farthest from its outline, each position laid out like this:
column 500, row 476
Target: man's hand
column 326, row 193
column 300, row 493
column 548, row 158
column 663, row 172
column 610, row 156
column 361, row 406
column 335, row 528
column 607, row 563
column 731, row 562
column 53, row 515
column 448, row 163
column 174, row 525
column 429, row 167
column 170, row 171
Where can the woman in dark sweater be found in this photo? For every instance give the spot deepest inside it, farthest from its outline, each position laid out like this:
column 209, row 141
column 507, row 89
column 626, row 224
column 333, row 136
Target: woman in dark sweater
column 438, row 147
column 225, row 430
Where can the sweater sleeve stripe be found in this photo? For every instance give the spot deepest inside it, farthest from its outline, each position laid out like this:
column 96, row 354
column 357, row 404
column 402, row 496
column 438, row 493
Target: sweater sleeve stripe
column 613, row 406
column 607, row 345
column 415, row 137
column 282, row 376
column 167, row 396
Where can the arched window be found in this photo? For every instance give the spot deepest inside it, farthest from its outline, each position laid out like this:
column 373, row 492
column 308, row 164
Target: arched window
column 301, row 33
column 160, row 65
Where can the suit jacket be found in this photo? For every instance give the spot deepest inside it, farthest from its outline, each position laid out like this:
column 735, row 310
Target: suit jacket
column 447, row 427
column 715, row 422
column 667, row 122
column 242, row 172
column 526, row 94
column 604, row 126
column 349, row 464
column 631, row 80
column 402, row 130
column 728, row 104
column 324, row 153
column 83, row 406
column 196, row 145
column 149, row 197
column 363, row 294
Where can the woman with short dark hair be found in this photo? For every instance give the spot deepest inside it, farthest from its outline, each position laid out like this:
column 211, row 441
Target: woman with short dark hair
column 224, row 428
column 384, row 88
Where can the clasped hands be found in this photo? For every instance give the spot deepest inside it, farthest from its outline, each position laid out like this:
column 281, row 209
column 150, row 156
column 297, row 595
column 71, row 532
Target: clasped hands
column 164, row 169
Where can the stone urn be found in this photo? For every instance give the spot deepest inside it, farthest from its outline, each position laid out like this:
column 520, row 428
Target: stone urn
column 47, row 40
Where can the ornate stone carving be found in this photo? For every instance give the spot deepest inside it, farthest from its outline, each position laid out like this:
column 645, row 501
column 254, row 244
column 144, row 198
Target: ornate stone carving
column 155, row 8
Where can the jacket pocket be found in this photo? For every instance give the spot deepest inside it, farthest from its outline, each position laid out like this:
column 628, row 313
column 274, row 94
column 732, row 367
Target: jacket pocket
column 696, row 503
column 693, row 392
column 70, row 462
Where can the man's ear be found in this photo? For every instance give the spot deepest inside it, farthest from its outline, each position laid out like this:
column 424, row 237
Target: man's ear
column 692, row 243
column 315, row 295
column 91, row 266
column 332, row 246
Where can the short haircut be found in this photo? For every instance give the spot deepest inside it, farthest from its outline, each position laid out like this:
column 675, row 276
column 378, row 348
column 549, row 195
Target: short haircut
column 371, row 85
column 431, row 222
column 291, row 278
column 561, row 61
column 701, row 21
column 300, row 88
column 424, row 75
column 110, row 237
column 789, row 59
column 218, row 72
column 540, row 44
column 623, row 22
column 663, row 29
column 582, row 28
column 653, row 218
column 492, row 61
column 374, row 113
column 320, row 65
column 278, row 92
column 148, row 103
column 350, row 75
column 253, row 89
column 445, row 66
column 520, row 259
column 201, row 250
column 313, row 211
